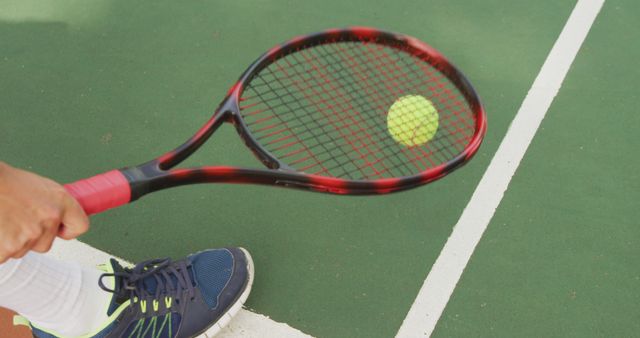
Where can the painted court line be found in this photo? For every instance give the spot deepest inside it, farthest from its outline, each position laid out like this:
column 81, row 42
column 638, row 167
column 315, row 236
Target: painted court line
column 245, row 324
column 446, row 271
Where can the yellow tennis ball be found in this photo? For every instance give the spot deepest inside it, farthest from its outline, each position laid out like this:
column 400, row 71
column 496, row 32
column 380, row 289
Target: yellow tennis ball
column 412, row 120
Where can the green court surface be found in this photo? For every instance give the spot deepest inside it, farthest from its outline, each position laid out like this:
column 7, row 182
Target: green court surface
column 86, row 87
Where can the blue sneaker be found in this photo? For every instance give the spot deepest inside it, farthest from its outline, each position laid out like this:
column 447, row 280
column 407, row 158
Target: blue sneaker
column 195, row 296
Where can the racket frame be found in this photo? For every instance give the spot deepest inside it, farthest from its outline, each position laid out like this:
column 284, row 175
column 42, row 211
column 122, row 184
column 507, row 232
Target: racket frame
column 160, row 173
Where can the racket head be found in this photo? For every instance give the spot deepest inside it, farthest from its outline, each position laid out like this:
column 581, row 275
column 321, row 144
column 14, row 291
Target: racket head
column 336, row 88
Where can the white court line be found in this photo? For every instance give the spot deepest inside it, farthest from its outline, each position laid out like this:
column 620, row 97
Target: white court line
column 446, row 271
column 245, row 324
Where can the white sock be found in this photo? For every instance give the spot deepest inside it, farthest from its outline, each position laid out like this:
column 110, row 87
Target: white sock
column 61, row 297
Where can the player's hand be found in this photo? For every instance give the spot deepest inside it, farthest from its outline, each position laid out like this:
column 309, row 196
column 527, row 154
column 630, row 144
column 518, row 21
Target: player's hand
column 32, row 208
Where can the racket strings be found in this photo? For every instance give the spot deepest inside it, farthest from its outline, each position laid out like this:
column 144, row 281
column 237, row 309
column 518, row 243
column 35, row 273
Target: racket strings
column 340, row 164
column 351, row 92
column 291, row 125
column 442, row 87
column 336, row 151
column 323, row 110
column 390, row 79
column 282, row 122
column 386, row 148
column 363, row 145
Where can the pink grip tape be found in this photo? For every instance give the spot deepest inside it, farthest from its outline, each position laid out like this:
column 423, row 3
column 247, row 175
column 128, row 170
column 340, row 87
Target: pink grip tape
column 101, row 192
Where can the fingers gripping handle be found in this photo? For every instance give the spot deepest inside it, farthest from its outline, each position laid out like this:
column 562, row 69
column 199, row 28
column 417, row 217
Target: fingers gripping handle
column 101, row 192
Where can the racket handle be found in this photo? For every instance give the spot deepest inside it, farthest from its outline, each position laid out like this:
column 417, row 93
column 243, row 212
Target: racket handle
column 101, row 192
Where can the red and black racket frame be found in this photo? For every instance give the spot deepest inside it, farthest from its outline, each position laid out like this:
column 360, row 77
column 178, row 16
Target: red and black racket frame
column 118, row 187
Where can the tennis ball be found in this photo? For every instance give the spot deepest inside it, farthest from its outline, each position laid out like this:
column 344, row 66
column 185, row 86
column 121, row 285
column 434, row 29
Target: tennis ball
column 412, row 120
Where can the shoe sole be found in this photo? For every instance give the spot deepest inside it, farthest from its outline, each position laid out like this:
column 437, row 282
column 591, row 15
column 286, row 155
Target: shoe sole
column 225, row 319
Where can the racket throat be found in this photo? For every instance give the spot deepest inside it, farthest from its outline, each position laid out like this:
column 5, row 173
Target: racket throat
column 145, row 179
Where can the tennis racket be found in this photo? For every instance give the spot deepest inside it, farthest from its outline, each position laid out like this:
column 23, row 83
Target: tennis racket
column 316, row 112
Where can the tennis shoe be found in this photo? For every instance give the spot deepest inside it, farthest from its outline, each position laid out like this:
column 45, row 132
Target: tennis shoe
column 193, row 297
